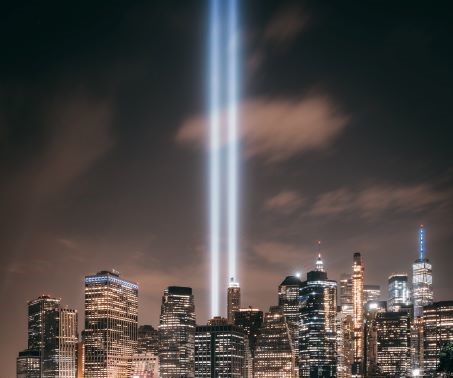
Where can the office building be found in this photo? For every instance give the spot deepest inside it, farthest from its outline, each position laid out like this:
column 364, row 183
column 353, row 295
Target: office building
column 145, row 365
column 220, row 350
column 28, row 364
column 233, row 300
column 250, row 321
column 399, row 295
column 358, row 314
column 318, row 326
column 345, row 294
column 372, row 308
column 177, row 333
column 393, row 331
column 371, row 293
column 345, row 347
column 147, row 340
column 422, row 278
column 437, row 333
column 274, row 354
column 110, row 335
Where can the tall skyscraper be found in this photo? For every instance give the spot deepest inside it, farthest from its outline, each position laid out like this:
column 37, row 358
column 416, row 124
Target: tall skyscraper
column 250, row 321
column 422, row 278
column 398, row 296
column 357, row 313
column 52, row 340
column 318, row 326
column 274, row 354
column 220, row 350
column 437, row 333
column 111, row 315
column 372, row 309
column 147, row 340
column 177, row 333
column 346, row 294
column 371, row 293
column 233, row 299
column 393, row 344
column 289, row 302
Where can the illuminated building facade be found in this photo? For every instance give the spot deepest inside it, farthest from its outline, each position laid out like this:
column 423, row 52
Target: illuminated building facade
column 250, row 321
column 437, row 333
column 346, row 294
column 110, row 335
column 52, row 340
column 345, row 349
column 233, row 300
column 274, row 354
column 220, row 350
column 289, row 302
column 358, row 313
column 145, row 365
column 399, row 294
column 372, row 308
column 177, row 333
column 318, row 326
column 422, row 279
column 28, row 364
column 147, row 340
column 80, row 359
column 393, row 344
column 371, row 293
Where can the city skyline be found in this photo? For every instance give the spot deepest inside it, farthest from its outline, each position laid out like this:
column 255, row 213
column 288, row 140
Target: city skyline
column 103, row 162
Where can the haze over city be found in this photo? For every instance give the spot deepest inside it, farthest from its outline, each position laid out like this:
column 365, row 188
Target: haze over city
column 344, row 121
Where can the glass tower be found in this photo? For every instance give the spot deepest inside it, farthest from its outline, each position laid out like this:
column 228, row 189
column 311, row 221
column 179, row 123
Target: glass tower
column 110, row 335
column 220, row 350
column 399, row 296
column 274, row 354
column 177, row 333
column 422, row 278
column 318, row 327
column 233, row 300
column 358, row 314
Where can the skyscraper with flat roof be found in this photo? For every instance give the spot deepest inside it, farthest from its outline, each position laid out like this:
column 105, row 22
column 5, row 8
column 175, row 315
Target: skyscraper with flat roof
column 358, row 314
column 233, row 300
column 250, row 321
column 111, row 315
column 399, row 293
column 177, row 333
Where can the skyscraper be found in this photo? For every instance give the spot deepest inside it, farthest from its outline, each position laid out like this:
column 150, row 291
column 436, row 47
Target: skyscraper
column 318, row 326
column 398, row 296
column 289, row 302
column 220, row 350
column 357, row 313
column 147, row 340
column 145, row 362
column 422, row 278
column 177, row 333
column 250, row 321
column 274, row 354
column 52, row 340
column 437, row 333
column 372, row 309
column 110, row 335
column 371, row 293
column 233, row 299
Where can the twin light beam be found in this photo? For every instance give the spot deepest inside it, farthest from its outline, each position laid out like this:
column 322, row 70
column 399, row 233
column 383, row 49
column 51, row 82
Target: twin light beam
column 223, row 93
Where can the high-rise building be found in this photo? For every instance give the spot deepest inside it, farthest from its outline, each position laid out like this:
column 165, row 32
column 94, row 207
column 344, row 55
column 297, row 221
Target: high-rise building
column 289, row 302
column 177, row 333
column 110, row 335
column 422, row 278
column 346, row 294
column 345, row 346
column 220, row 350
column 393, row 344
column 372, row 308
column 274, row 354
column 318, row 326
column 147, row 340
column 358, row 314
column 28, row 364
column 398, row 296
column 371, row 293
column 437, row 333
column 250, row 321
column 52, row 340
column 233, row 300
column 145, row 365
column 80, row 359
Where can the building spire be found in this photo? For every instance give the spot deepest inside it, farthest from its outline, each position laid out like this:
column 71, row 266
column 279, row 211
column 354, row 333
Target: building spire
column 421, row 240
column 319, row 263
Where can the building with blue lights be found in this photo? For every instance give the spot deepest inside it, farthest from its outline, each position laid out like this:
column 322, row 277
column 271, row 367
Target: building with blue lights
column 111, row 317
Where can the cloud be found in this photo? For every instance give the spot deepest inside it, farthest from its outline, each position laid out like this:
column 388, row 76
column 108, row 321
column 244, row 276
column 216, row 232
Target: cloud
column 285, row 25
column 284, row 202
column 276, row 252
column 371, row 201
column 278, row 129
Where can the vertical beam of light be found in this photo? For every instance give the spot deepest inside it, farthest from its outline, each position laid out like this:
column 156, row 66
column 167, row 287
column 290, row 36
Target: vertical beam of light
column 232, row 163
column 214, row 151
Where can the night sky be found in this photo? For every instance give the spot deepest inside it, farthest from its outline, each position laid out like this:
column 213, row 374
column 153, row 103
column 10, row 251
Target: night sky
column 346, row 138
